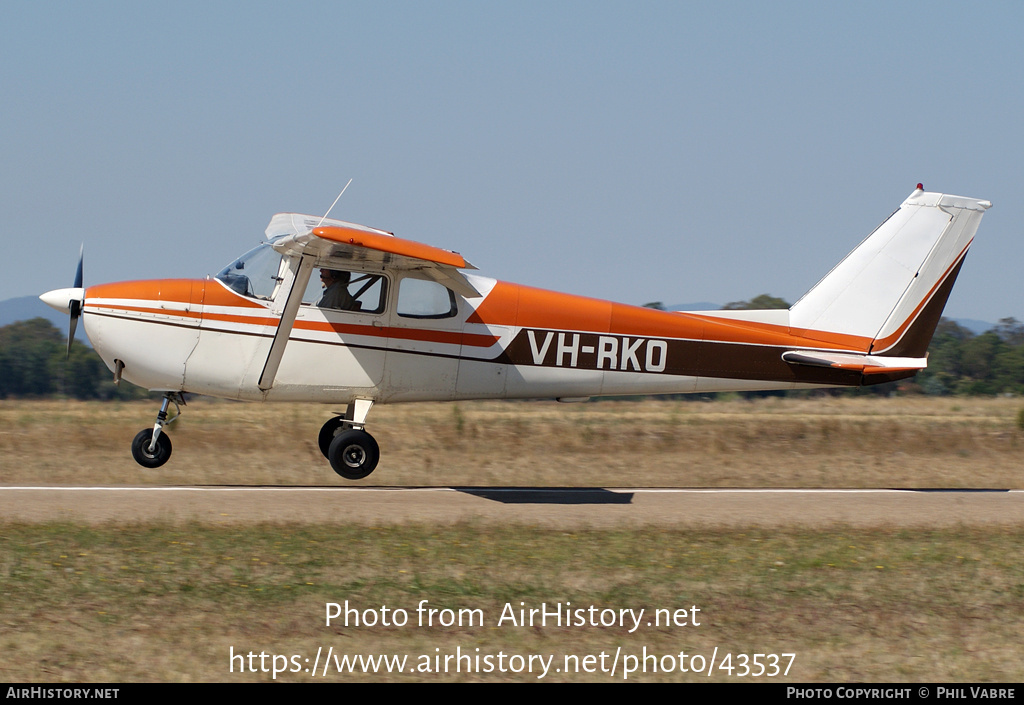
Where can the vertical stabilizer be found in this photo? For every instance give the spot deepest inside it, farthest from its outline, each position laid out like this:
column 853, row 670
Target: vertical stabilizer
column 891, row 289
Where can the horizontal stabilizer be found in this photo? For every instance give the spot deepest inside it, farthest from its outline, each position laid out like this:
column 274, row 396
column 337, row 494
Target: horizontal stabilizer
column 865, row 364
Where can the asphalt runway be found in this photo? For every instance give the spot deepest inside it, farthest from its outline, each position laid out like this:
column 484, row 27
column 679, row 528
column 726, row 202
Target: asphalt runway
column 566, row 508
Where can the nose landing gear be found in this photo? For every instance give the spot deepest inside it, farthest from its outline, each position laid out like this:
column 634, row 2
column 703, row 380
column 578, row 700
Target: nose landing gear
column 151, row 447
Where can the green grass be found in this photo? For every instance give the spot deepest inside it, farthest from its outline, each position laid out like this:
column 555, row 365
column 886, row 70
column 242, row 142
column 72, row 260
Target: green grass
column 162, row 602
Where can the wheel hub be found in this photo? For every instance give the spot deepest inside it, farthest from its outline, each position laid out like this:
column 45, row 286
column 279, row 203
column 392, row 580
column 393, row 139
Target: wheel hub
column 354, row 456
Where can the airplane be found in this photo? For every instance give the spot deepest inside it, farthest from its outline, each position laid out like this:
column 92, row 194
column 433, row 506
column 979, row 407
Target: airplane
column 411, row 322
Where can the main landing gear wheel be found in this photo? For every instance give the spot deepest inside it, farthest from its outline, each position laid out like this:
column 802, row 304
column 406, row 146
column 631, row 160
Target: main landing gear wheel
column 327, row 433
column 142, row 454
column 353, row 454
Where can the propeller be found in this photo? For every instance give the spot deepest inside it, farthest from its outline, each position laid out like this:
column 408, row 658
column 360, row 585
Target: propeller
column 69, row 301
column 75, row 304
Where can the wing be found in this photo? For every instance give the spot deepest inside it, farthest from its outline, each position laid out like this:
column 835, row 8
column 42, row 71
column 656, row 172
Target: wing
column 348, row 241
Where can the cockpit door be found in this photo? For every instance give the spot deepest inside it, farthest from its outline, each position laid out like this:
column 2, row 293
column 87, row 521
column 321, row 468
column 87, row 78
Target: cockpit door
column 425, row 340
column 338, row 344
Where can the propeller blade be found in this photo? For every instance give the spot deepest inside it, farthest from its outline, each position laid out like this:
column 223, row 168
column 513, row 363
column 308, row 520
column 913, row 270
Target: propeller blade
column 76, row 309
column 75, row 305
column 78, row 272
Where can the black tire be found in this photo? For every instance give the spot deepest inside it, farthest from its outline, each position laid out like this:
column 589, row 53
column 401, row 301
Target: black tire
column 353, row 454
column 327, row 433
column 140, row 449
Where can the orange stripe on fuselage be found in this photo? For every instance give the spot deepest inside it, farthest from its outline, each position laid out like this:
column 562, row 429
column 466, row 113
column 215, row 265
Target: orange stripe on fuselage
column 475, row 340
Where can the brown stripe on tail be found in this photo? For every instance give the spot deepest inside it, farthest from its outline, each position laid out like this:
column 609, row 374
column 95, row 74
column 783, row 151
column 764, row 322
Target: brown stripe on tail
column 918, row 335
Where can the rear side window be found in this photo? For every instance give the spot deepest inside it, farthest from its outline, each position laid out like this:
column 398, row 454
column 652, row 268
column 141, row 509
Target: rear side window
column 421, row 298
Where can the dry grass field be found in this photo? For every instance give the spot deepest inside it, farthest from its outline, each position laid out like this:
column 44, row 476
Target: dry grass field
column 163, row 601
column 817, row 442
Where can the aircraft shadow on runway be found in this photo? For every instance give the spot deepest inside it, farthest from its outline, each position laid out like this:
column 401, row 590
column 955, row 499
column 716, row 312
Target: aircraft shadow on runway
column 549, row 495
column 505, row 495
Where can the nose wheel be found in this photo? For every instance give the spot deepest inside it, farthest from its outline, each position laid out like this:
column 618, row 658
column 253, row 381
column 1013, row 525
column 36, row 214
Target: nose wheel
column 151, row 447
column 352, row 452
column 146, row 453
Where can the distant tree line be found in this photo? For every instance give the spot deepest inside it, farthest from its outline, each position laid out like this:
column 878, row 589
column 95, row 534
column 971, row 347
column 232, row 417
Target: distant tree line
column 33, row 364
column 960, row 362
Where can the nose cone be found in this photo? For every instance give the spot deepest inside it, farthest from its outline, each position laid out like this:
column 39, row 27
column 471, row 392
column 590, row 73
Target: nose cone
column 61, row 299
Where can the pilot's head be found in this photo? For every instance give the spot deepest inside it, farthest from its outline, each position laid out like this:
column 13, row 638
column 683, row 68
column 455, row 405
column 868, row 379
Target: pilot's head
column 330, row 276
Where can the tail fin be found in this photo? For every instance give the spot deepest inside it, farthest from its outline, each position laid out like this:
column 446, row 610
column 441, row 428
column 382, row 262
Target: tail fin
column 892, row 288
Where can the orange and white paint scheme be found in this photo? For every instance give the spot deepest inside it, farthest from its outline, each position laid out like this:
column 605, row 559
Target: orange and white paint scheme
column 391, row 320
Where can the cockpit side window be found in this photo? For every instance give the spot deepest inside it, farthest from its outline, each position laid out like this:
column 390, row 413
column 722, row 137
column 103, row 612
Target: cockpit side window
column 346, row 290
column 256, row 274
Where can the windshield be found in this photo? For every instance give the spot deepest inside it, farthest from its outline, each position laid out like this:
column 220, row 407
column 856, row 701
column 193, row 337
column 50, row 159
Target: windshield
column 255, row 274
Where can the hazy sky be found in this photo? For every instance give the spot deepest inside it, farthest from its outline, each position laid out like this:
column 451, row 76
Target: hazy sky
column 632, row 151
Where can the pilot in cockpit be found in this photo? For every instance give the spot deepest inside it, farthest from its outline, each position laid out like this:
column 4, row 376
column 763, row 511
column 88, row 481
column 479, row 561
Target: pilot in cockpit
column 336, row 295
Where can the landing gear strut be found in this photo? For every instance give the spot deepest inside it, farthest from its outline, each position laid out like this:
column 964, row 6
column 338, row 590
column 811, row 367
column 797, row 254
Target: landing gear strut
column 151, row 447
column 352, row 451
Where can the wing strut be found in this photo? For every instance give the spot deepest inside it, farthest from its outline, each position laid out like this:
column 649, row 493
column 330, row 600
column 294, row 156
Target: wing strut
column 284, row 327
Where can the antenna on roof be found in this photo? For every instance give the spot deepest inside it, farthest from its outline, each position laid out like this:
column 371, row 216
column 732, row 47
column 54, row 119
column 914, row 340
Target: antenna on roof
column 333, row 204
